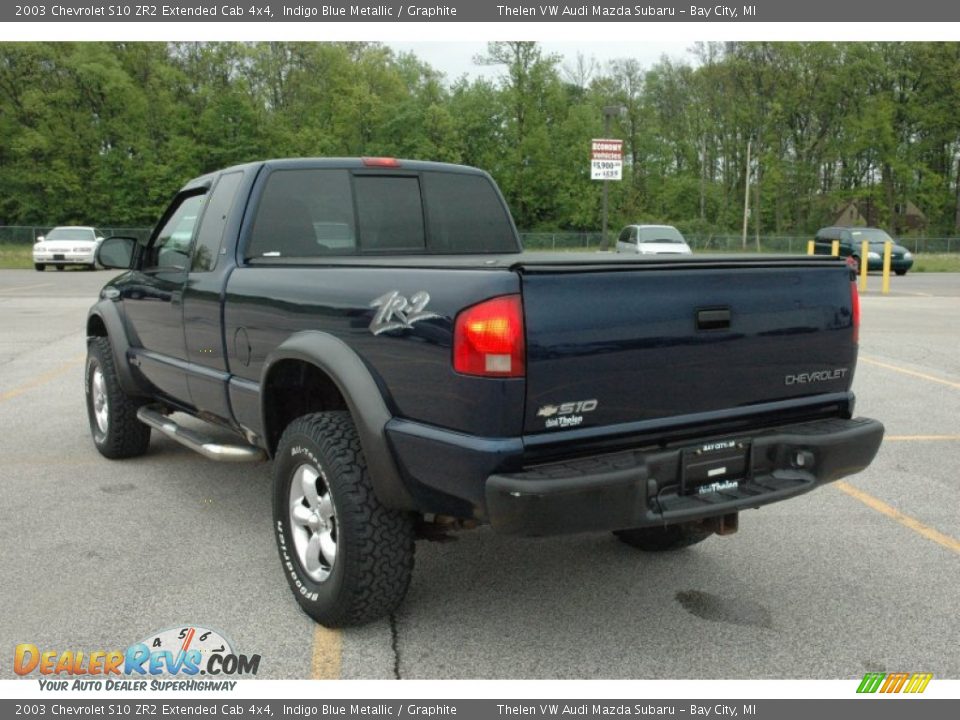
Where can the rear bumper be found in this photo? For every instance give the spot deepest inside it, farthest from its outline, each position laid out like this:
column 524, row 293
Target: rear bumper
column 632, row 488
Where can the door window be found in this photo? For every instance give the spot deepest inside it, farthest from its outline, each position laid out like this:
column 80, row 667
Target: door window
column 171, row 248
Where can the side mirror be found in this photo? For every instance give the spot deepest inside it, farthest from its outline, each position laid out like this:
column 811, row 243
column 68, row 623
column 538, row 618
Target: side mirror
column 116, row 252
column 39, row 239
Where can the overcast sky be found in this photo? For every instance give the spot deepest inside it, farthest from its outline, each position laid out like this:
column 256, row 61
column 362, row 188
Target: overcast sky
column 456, row 58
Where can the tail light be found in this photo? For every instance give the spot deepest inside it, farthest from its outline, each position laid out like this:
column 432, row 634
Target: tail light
column 488, row 339
column 855, row 311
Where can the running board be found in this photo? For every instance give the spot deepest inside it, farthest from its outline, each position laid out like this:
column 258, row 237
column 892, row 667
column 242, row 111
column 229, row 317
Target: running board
column 150, row 415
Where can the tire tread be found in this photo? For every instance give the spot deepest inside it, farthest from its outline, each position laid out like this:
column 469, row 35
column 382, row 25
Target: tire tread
column 377, row 578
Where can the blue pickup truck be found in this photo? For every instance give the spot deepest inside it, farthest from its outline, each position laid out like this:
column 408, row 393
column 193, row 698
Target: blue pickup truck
column 373, row 326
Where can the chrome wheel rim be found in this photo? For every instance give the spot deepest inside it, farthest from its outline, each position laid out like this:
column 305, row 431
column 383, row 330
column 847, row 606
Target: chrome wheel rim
column 101, row 410
column 313, row 522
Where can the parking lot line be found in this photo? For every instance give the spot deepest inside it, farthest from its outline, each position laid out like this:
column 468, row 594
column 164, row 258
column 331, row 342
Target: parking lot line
column 327, row 647
column 914, row 373
column 41, row 379
column 921, row 438
column 891, row 512
column 25, row 287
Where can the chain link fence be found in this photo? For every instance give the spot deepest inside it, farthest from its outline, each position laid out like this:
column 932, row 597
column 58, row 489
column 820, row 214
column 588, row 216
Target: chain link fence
column 564, row 241
column 592, row 241
column 28, row 234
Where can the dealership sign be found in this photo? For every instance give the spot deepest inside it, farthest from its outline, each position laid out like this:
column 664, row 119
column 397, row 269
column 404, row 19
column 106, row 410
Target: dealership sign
column 606, row 159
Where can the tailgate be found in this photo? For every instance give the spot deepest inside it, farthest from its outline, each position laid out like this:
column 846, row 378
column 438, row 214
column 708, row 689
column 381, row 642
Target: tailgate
column 620, row 343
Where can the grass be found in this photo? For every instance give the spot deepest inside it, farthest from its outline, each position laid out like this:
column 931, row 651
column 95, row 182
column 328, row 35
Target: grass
column 936, row 262
column 16, row 256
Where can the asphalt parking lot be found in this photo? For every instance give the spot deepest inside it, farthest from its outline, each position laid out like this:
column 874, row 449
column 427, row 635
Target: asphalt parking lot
column 859, row 576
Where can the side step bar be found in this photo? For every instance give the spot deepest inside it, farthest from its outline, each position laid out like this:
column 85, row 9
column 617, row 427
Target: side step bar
column 154, row 417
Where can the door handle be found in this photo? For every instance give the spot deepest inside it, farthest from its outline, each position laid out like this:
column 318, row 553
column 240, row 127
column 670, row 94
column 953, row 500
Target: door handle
column 713, row 319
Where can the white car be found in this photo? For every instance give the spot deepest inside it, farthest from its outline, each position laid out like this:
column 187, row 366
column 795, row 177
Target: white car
column 652, row 240
column 67, row 245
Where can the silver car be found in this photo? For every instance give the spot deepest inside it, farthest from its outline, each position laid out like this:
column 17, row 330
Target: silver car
column 67, row 245
column 652, row 240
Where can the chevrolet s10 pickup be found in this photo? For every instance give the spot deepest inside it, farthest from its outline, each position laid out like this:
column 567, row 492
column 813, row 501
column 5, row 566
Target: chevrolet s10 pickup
column 373, row 327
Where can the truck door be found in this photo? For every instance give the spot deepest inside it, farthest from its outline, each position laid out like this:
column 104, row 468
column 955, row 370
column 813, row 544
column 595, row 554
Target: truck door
column 207, row 366
column 152, row 299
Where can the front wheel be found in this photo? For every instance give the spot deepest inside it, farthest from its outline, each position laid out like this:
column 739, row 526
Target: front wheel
column 347, row 558
column 900, row 272
column 60, row 267
column 116, row 431
column 39, row 267
column 659, row 539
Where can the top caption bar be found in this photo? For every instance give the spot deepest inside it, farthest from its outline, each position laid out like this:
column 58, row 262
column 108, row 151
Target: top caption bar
column 478, row 11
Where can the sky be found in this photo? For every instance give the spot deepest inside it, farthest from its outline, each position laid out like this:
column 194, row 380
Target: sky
column 456, row 58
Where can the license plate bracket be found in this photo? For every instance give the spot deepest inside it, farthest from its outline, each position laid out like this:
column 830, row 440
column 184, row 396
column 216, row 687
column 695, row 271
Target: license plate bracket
column 713, row 466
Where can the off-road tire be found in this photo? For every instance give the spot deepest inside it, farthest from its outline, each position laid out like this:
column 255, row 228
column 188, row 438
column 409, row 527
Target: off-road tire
column 39, row 267
column 125, row 436
column 660, row 539
column 374, row 544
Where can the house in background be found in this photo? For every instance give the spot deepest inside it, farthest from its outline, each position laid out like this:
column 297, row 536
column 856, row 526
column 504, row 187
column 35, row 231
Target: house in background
column 907, row 217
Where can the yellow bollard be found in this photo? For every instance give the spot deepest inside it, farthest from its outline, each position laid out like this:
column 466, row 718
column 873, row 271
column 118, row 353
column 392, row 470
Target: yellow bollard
column 835, row 248
column 810, row 245
column 887, row 254
column 864, row 263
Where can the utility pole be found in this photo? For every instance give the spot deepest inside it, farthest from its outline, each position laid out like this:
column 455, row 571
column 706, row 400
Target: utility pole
column 746, row 195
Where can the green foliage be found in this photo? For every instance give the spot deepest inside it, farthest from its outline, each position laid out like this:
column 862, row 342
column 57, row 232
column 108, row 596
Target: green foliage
column 104, row 133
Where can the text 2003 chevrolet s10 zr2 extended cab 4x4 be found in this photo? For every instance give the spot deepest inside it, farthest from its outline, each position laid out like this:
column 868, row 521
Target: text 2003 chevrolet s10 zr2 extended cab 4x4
column 373, row 326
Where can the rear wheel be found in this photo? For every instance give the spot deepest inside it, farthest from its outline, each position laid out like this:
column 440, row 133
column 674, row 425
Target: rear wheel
column 900, row 272
column 116, row 431
column 658, row 539
column 59, row 267
column 347, row 558
column 39, row 267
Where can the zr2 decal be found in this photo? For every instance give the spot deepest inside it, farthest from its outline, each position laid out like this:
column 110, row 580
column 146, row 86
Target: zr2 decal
column 396, row 312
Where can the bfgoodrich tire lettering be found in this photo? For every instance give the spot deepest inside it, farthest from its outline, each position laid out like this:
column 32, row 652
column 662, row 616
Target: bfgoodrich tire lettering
column 112, row 413
column 659, row 539
column 366, row 574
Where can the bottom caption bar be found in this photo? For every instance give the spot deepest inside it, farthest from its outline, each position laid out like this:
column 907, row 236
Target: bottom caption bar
column 875, row 709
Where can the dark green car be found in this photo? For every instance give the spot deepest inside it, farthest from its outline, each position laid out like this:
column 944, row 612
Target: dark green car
column 851, row 244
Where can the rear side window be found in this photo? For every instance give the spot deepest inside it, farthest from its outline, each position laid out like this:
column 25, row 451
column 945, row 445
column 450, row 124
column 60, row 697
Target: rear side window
column 304, row 213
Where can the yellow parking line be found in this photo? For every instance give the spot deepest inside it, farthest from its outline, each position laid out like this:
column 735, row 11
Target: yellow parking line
column 25, row 287
column 891, row 512
column 914, row 373
column 41, row 379
column 931, row 438
column 327, row 647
